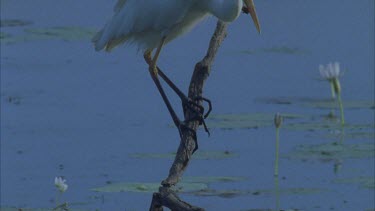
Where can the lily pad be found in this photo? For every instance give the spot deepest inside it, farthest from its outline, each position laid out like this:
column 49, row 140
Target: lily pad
column 68, row 33
column 35, row 209
column 212, row 179
column 13, row 22
column 353, row 135
column 284, row 100
column 221, row 193
column 271, row 210
column 333, row 151
column 4, row 35
column 290, row 191
column 319, row 103
column 314, row 126
column 279, row 50
column 7, row 38
column 235, row 193
column 363, row 182
column 183, row 187
column 205, row 155
column 330, row 104
column 245, row 120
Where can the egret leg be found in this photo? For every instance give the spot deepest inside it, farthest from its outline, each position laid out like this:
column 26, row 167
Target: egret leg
column 154, row 76
column 155, row 71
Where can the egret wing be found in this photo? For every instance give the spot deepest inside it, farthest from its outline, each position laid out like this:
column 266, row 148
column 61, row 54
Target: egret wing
column 143, row 22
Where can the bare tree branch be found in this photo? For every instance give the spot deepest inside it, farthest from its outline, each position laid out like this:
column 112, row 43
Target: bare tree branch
column 166, row 196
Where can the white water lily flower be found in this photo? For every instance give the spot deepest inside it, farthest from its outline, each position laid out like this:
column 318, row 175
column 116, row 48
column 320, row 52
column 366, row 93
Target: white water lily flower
column 331, row 71
column 60, row 184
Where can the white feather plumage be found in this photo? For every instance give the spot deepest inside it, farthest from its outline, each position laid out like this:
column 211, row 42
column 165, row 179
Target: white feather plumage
column 146, row 22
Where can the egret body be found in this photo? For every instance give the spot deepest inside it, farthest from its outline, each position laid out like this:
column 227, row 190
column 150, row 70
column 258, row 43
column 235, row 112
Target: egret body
column 150, row 24
column 147, row 22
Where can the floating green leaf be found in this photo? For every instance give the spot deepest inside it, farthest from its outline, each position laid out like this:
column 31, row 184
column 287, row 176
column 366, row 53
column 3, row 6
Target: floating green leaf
column 66, row 33
column 11, row 39
column 245, row 120
column 333, row 151
column 330, row 104
column 34, row 209
column 235, row 193
column 13, row 22
column 363, row 182
column 271, row 210
column 292, row 191
column 326, row 125
column 319, row 103
column 206, row 155
column 212, row 179
column 279, row 50
column 221, row 193
column 352, row 135
column 4, row 35
column 197, row 155
column 149, row 187
column 258, row 209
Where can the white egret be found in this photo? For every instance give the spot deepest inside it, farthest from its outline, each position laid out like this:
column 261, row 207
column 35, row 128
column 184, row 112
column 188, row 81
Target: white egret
column 150, row 24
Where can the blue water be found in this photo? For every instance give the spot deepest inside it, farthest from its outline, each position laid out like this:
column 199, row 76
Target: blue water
column 82, row 114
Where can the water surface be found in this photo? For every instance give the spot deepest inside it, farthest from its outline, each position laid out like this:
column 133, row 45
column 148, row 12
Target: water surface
column 97, row 119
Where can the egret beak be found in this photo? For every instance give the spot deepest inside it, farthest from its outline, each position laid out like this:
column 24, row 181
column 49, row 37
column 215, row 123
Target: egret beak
column 251, row 8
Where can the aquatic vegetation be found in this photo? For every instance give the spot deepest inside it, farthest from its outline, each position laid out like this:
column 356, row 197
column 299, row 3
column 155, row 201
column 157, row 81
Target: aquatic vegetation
column 236, row 192
column 148, row 187
column 278, row 50
column 332, row 151
column 14, row 23
column 39, row 209
column 65, row 33
column 187, row 185
column 317, row 102
column 213, row 179
column 316, row 125
column 362, row 182
column 246, row 120
column 204, row 155
column 4, row 35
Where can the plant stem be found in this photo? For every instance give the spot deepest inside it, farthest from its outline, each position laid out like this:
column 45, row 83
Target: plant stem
column 332, row 90
column 277, row 153
column 341, row 109
column 57, row 198
column 333, row 95
column 277, row 192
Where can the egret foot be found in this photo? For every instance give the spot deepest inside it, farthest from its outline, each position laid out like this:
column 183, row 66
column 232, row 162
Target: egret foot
column 198, row 111
column 190, row 104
